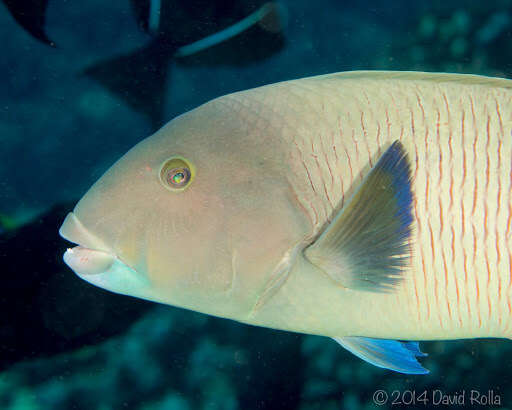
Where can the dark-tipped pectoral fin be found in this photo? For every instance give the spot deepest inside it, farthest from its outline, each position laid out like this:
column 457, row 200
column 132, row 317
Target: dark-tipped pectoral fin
column 366, row 246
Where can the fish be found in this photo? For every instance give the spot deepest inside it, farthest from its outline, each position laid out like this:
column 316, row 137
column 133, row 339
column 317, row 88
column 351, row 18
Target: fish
column 31, row 15
column 185, row 32
column 370, row 207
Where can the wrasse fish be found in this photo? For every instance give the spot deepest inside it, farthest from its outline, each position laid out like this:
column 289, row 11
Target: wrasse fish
column 370, row 207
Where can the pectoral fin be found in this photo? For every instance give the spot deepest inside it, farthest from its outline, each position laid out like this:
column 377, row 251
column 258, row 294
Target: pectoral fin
column 366, row 246
column 389, row 354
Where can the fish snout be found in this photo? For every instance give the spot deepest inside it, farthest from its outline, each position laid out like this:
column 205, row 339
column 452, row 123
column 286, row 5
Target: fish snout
column 91, row 256
column 74, row 231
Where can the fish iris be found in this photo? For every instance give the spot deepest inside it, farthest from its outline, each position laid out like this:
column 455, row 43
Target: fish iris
column 178, row 177
column 176, row 174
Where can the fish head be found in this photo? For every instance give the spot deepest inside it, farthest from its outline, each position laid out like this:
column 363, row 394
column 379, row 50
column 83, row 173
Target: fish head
column 198, row 216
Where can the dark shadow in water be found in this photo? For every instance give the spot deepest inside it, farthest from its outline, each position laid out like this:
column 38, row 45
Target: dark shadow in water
column 46, row 309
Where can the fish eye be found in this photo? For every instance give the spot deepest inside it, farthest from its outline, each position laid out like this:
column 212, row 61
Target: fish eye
column 176, row 174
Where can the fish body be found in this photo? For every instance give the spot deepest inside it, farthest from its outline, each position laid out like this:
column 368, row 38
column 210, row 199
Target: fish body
column 279, row 171
column 457, row 131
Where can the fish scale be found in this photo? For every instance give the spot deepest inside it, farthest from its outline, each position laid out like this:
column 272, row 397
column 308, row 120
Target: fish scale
column 458, row 284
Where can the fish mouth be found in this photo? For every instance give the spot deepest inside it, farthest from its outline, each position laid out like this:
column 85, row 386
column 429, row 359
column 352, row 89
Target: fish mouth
column 93, row 261
column 91, row 256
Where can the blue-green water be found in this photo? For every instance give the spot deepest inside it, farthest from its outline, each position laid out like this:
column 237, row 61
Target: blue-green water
column 67, row 345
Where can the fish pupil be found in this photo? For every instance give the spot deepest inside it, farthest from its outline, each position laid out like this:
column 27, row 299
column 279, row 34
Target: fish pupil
column 178, row 177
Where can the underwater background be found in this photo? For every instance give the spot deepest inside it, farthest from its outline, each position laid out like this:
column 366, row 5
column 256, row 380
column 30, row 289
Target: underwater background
column 82, row 82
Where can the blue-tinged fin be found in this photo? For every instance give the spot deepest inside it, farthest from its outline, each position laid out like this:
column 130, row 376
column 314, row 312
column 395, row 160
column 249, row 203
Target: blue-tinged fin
column 366, row 246
column 388, row 354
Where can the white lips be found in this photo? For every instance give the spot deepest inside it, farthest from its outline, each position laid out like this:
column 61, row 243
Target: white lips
column 94, row 262
column 91, row 256
column 86, row 261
